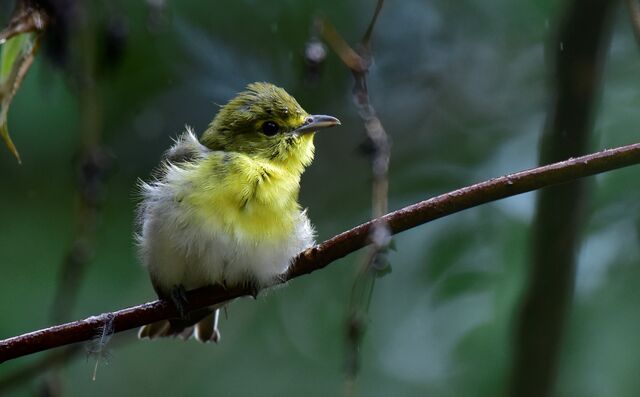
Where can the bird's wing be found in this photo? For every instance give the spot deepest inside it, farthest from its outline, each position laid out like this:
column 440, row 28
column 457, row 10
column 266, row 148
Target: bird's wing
column 187, row 147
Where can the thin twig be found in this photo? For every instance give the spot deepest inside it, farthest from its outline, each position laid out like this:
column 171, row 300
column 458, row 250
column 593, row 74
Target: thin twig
column 333, row 249
column 366, row 39
column 347, row 55
column 374, row 263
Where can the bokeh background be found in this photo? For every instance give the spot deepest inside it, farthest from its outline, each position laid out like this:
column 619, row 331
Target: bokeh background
column 463, row 89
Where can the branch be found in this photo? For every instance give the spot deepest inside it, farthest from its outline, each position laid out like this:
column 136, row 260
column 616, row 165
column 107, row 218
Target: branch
column 335, row 248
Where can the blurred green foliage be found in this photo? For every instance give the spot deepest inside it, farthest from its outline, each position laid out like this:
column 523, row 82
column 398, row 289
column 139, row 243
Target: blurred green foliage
column 463, row 89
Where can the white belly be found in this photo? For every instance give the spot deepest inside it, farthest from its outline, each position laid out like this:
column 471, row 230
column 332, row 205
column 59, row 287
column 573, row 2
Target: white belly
column 200, row 254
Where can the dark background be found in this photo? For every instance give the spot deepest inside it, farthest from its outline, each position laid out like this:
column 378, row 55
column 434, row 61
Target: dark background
column 462, row 88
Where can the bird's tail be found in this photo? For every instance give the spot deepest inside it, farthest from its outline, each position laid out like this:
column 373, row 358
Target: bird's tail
column 203, row 324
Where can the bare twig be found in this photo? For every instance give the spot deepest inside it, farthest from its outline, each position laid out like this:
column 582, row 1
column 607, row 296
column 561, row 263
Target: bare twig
column 580, row 50
column 347, row 55
column 333, row 249
column 366, row 39
column 379, row 148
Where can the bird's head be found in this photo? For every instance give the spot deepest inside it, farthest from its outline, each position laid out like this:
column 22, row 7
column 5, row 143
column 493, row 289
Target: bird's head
column 265, row 121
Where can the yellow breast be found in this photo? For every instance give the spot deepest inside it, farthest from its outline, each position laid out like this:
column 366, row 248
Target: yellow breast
column 248, row 198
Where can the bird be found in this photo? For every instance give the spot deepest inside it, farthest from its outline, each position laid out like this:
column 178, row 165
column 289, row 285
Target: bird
column 224, row 209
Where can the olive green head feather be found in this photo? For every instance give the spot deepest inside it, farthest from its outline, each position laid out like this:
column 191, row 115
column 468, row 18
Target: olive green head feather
column 265, row 121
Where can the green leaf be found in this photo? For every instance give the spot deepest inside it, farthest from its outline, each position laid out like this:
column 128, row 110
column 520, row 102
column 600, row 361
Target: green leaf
column 15, row 59
column 11, row 50
column 4, row 134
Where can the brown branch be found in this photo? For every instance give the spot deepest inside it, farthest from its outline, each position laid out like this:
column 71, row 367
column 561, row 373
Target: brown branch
column 347, row 55
column 580, row 51
column 333, row 249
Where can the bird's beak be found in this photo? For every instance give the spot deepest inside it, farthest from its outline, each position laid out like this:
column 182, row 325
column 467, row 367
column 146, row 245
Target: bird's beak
column 316, row 122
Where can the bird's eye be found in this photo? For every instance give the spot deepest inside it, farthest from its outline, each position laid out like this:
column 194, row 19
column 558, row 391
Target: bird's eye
column 270, row 128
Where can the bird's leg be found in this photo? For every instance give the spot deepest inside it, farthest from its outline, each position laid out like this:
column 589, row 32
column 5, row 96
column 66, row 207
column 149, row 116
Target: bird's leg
column 179, row 299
